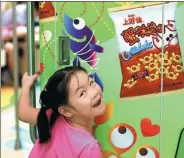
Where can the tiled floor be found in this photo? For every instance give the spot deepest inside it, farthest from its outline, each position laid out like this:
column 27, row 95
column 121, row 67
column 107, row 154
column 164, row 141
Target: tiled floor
column 8, row 136
column 8, row 130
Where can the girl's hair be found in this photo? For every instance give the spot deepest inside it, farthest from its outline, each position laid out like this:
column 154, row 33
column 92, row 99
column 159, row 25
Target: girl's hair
column 54, row 95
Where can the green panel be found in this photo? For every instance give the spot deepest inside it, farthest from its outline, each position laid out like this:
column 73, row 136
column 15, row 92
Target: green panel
column 179, row 25
column 180, row 147
column 143, row 115
column 172, row 107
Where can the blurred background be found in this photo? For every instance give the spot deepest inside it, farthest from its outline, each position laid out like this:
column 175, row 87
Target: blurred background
column 13, row 144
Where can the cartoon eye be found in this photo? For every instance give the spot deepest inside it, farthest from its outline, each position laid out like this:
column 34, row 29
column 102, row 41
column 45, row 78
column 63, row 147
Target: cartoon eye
column 171, row 35
column 79, row 23
column 122, row 137
column 167, row 39
column 147, row 152
column 112, row 156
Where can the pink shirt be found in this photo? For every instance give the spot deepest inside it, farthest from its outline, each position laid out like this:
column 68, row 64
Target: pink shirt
column 67, row 142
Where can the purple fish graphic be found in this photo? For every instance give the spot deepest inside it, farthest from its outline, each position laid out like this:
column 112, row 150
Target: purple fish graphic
column 83, row 43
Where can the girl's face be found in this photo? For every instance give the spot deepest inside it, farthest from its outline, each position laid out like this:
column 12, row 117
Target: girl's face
column 85, row 96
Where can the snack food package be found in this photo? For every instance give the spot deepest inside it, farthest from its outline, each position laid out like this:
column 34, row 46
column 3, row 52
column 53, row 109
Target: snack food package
column 139, row 35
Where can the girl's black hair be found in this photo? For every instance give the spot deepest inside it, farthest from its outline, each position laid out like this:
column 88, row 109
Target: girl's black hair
column 54, row 95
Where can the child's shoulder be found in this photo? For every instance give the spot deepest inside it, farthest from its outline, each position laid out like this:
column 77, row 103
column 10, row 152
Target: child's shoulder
column 77, row 135
column 75, row 140
column 91, row 150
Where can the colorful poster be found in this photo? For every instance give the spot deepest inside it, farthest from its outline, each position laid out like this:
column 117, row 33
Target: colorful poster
column 116, row 47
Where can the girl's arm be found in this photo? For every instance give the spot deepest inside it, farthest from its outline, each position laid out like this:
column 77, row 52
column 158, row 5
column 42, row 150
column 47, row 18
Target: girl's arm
column 26, row 113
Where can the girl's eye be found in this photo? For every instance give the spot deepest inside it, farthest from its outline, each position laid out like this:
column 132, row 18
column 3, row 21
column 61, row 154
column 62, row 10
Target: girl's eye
column 91, row 82
column 83, row 93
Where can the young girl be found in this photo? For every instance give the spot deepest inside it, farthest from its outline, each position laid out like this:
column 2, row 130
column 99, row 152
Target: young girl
column 69, row 103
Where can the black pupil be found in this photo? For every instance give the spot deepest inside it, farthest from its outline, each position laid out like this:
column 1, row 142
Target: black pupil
column 122, row 130
column 76, row 21
column 171, row 35
column 167, row 38
column 143, row 152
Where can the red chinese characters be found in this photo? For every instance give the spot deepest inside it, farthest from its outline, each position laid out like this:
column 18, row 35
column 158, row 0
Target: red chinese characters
column 132, row 35
column 129, row 36
column 132, row 19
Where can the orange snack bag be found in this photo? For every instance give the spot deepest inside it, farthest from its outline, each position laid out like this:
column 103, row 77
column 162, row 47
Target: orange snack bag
column 139, row 33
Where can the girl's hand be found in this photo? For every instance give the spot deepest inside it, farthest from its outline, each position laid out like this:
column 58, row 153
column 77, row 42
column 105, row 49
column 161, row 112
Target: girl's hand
column 26, row 113
column 28, row 81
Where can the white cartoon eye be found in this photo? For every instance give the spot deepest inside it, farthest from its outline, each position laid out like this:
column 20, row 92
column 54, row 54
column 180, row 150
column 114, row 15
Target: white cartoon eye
column 123, row 136
column 79, row 23
column 147, row 152
column 112, row 156
column 109, row 154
